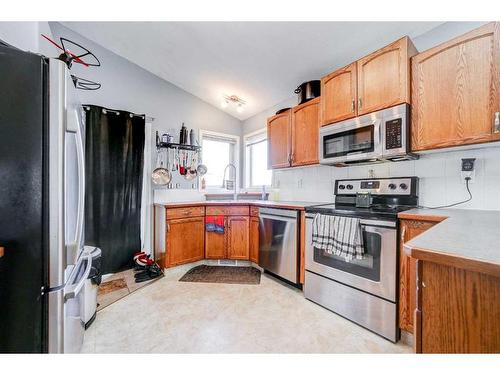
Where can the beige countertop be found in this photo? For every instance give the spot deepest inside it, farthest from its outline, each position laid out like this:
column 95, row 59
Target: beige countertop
column 295, row 205
column 462, row 238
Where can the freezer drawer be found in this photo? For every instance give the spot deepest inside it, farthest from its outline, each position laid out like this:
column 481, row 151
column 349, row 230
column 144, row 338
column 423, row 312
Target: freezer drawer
column 66, row 311
column 373, row 313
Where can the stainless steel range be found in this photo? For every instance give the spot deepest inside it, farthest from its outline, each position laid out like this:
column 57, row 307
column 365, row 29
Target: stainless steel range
column 362, row 290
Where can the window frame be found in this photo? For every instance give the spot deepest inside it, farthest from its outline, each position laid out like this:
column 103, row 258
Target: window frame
column 246, row 166
column 236, row 157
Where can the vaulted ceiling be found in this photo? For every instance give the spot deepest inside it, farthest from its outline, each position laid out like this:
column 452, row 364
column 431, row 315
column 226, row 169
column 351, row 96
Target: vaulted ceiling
column 261, row 62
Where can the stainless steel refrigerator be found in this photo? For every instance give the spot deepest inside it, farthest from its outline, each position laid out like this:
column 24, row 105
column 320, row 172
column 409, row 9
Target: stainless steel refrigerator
column 43, row 268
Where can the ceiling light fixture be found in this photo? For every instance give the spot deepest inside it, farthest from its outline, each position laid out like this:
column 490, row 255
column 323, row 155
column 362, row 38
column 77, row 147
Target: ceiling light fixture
column 235, row 100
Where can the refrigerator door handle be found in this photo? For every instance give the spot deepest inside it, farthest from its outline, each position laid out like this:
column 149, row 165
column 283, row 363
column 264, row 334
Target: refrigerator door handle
column 81, row 186
column 74, row 287
column 73, row 248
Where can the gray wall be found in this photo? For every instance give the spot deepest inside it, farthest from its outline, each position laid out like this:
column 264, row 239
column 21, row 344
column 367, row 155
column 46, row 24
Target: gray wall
column 127, row 86
column 26, row 36
column 433, row 37
column 439, row 173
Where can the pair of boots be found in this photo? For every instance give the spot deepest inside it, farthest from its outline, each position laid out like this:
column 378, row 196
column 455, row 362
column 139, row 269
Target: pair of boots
column 146, row 268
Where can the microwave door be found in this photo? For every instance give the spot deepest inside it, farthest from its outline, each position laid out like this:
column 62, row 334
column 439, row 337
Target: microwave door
column 351, row 142
column 367, row 145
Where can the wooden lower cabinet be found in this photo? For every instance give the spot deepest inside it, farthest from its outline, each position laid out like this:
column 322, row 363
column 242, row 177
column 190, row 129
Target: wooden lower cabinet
column 407, row 272
column 458, row 310
column 238, row 237
column 185, row 240
column 234, row 243
column 254, row 239
column 215, row 244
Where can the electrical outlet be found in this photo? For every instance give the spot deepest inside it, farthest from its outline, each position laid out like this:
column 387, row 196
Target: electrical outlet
column 468, row 169
column 299, row 183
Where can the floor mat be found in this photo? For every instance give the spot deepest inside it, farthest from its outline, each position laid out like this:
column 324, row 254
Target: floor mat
column 117, row 286
column 222, row 274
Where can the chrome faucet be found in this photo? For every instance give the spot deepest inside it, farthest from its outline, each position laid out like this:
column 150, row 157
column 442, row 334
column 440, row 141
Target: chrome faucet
column 230, row 184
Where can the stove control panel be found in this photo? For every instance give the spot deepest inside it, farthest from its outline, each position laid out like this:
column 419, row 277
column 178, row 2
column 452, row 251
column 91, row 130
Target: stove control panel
column 378, row 186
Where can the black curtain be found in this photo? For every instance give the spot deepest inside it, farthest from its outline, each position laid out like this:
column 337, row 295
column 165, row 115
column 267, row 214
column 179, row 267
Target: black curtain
column 114, row 156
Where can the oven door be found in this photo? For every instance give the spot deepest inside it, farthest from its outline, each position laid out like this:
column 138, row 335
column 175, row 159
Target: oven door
column 375, row 273
column 351, row 141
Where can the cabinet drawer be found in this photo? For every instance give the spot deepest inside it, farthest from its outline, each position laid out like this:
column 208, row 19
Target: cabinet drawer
column 228, row 210
column 182, row 212
column 254, row 211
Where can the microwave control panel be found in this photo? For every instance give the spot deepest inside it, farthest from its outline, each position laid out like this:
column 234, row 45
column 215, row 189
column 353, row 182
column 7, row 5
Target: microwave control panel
column 393, row 134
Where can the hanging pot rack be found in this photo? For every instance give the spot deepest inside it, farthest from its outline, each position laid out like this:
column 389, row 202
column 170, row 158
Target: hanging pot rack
column 178, row 146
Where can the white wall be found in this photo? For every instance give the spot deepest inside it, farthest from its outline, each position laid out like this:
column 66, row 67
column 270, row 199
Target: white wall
column 126, row 86
column 23, row 35
column 440, row 181
column 26, row 36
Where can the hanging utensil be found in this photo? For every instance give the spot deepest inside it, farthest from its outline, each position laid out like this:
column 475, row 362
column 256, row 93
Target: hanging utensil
column 192, row 173
column 160, row 175
column 182, row 168
column 201, row 169
column 172, row 154
column 177, row 159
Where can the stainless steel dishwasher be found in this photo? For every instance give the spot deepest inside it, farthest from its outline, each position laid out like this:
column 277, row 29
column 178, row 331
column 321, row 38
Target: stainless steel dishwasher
column 278, row 240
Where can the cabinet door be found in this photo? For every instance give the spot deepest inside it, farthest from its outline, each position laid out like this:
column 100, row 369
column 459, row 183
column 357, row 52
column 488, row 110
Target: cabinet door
column 339, row 95
column 305, row 133
column 407, row 273
column 254, row 239
column 384, row 77
column 455, row 91
column 238, row 237
column 278, row 140
column 215, row 244
column 185, row 240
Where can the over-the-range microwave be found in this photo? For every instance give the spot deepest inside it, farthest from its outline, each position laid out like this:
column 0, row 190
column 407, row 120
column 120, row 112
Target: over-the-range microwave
column 376, row 137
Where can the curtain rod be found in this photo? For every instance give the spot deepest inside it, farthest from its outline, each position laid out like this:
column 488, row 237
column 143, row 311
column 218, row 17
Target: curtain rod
column 105, row 110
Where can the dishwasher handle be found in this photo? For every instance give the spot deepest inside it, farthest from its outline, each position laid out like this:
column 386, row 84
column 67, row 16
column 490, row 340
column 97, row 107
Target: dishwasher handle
column 278, row 212
column 279, row 218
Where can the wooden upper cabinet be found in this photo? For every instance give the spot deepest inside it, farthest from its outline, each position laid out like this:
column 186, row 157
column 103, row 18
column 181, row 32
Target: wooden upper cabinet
column 305, row 133
column 278, row 140
column 455, row 91
column 384, row 77
column 238, row 240
column 339, row 95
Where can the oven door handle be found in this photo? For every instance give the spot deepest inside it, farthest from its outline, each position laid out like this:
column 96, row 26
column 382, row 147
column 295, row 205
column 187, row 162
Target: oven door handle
column 365, row 222
column 377, row 230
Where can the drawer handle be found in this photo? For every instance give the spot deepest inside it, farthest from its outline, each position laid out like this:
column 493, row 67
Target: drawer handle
column 496, row 123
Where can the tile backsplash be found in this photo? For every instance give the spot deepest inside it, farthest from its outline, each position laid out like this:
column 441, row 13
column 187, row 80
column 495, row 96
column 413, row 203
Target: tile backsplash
column 440, row 179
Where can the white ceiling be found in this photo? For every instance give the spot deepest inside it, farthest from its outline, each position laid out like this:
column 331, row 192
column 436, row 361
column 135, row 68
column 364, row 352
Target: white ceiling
column 261, row 62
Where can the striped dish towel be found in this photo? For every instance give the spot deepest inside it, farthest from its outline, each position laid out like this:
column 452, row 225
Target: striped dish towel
column 338, row 235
